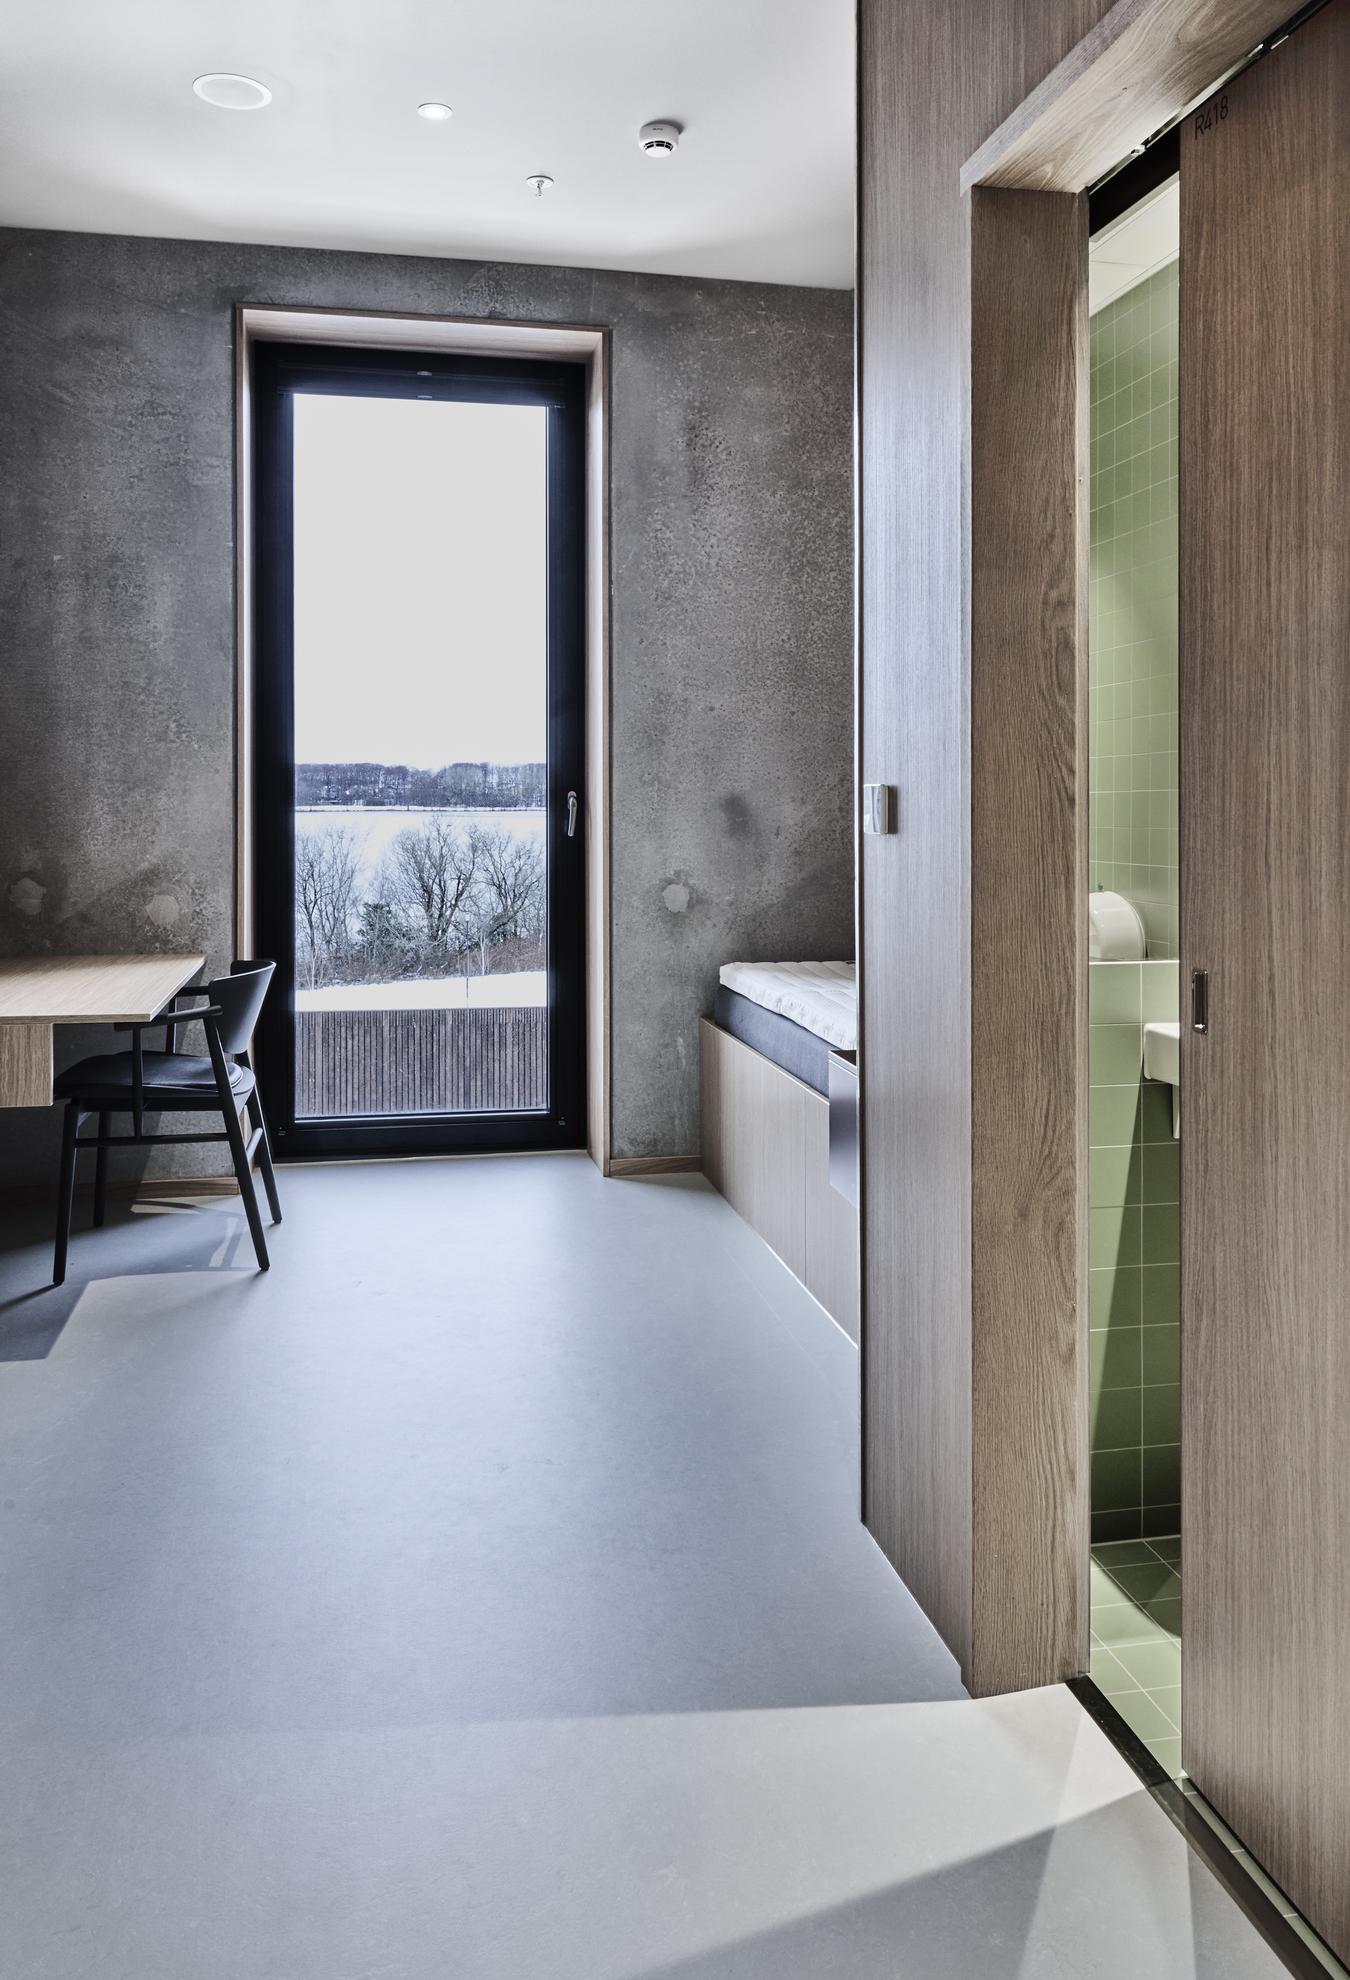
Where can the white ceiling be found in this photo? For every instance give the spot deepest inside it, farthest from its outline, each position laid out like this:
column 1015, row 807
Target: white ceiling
column 1131, row 248
column 100, row 130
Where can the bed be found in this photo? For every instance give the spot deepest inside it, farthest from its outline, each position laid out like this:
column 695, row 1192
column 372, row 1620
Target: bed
column 779, row 1112
column 794, row 1013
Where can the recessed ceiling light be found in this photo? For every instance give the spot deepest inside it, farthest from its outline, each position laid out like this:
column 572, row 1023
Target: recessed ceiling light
column 539, row 183
column 232, row 92
column 435, row 113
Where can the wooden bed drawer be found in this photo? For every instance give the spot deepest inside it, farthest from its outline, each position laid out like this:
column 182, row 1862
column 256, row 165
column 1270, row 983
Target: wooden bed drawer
column 767, row 1148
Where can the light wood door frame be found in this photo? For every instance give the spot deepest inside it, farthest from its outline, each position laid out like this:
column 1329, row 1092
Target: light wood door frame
column 1023, row 1619
column 1265, row 870
column 1027, row 530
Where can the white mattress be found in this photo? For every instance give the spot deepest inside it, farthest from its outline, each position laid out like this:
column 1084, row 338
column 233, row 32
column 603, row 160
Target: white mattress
column 822, row 997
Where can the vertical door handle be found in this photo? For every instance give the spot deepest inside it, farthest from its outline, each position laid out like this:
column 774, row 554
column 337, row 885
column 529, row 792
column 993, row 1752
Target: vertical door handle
column 571, row 814
column 1199, row 1000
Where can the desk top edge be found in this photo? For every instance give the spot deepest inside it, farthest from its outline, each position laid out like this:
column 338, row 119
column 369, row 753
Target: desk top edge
column 91, row 989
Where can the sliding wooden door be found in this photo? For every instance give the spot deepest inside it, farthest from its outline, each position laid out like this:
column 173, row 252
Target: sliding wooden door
column 1265, row 858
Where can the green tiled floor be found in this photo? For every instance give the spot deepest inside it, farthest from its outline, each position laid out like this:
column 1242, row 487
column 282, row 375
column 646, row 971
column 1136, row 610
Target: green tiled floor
column 1136, row 1639
column 1136, row 1661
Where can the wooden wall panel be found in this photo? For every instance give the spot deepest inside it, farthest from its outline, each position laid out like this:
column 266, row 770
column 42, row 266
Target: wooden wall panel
column 1028, row 532
column 1265, row 877
column 25, row 1065
column 935, row 79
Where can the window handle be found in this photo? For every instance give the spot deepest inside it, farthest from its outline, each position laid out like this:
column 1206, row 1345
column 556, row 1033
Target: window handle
column 571, row 814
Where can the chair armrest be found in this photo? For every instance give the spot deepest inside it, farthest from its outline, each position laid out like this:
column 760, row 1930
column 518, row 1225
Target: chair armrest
column 170, row 1017
column 167, row 1016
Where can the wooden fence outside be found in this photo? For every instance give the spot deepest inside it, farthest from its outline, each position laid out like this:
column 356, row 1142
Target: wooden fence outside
column 420, row 1062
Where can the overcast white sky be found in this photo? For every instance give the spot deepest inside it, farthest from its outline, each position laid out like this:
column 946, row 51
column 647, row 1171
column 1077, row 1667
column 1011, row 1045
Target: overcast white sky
column 420, row 582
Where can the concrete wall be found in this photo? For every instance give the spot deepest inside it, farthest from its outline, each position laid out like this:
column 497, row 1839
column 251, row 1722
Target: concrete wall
column 732, row 616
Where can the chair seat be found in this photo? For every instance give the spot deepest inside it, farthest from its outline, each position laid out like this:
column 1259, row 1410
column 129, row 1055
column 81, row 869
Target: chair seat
column 173, row 1081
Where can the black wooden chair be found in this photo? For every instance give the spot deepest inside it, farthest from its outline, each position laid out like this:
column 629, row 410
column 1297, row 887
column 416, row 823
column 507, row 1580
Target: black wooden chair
column 172, row 1082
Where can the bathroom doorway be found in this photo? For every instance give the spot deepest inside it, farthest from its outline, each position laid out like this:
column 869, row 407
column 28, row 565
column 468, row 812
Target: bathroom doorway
column 1243, row 1355
column 1134, row 1115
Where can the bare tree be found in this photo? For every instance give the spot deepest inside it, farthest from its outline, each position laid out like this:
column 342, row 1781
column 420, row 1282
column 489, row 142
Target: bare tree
column 428, row 878
column 326, row 871
column 511, row 871
column 507, row 898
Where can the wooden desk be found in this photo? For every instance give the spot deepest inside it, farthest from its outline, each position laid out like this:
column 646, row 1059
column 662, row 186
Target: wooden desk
column 37, row 992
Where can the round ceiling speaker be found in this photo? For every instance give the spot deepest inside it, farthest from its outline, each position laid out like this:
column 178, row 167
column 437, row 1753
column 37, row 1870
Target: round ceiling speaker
column 232, row 92
column 659, row 139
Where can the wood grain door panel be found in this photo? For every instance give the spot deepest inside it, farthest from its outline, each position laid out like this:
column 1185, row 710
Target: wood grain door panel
column 1265, row 909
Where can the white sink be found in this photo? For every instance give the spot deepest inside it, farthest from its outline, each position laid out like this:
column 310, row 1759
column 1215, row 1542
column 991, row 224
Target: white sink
column 1162, row 1053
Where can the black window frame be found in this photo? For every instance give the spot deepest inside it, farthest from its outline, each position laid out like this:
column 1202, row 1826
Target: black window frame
column 279, row 370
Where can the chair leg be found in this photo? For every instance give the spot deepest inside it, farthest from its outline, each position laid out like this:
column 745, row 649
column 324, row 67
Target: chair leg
column 239, row 1150
column 65, row 1190
column 101, row 1173
column 265, row 1157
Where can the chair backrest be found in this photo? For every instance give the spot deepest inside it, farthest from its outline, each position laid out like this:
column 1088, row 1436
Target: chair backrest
column 240, row 998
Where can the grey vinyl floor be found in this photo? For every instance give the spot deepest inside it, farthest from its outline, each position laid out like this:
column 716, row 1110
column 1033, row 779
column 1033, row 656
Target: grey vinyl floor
column 481, row 1595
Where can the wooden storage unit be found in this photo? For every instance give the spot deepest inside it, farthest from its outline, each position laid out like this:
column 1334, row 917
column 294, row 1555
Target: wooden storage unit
column 766, row 1147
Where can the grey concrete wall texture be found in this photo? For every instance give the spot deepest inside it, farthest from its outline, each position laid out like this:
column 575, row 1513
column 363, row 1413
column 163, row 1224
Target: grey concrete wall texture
column 732, row 703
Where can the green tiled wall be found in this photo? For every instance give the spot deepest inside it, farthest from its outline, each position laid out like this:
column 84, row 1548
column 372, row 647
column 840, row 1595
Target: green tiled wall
column 1132, row 710
column 1132, row 666
column 1134, row 1302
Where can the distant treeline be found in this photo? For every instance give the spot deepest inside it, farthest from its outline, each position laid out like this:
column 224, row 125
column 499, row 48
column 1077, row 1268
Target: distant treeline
column 475, row 786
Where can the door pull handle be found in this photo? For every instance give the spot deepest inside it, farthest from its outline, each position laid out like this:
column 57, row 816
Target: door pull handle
column 1199, row 1000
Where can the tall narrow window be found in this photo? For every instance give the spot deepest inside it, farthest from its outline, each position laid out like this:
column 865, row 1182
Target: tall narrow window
column 419, row 749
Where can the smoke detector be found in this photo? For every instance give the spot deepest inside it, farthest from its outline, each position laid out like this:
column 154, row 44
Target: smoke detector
column 659, row 140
